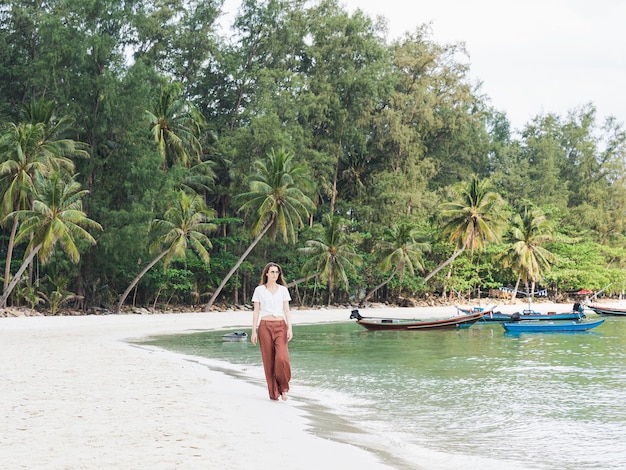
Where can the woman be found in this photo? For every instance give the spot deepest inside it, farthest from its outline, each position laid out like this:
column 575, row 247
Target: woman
column 272, row 317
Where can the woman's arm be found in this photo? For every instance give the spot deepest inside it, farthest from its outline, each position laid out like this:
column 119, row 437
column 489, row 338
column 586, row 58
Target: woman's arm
column 287, row 312
column 255, row 322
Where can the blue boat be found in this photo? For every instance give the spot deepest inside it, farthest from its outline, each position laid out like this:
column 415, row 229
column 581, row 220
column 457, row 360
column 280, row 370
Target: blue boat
column 548, row 327
column 499, row 316
column 576, row 314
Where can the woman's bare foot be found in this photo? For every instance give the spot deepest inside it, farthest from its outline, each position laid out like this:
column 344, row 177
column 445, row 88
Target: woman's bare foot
column 284, row 396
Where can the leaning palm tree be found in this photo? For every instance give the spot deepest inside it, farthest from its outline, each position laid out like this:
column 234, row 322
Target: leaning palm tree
column 185, row 224
column 331, row 255
column 525, row 254
column 276, row 201
column 21, row 163
column 475, row 218
column 400, row 252
column 56, row 218
column 175, row 126
column 28, row 150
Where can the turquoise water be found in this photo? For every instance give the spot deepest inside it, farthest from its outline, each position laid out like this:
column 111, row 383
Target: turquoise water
column 475, row 398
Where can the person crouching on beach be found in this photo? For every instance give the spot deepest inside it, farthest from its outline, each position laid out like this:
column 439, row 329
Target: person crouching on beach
column 272, row 317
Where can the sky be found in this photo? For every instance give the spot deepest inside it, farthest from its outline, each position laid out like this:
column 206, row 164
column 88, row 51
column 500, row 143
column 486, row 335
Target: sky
column 532, row 57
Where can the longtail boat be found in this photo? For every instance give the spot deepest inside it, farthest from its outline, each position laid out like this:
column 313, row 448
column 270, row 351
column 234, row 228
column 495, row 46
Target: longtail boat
column 472, row 310
column 607, row 310
column 384, row 323
column 548, row 327
column 575, row 314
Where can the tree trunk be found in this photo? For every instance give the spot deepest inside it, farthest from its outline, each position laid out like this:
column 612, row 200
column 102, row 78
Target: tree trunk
column 446, row 284
column 444, row 264
column 519, row 278
column 18, row 274
column 237, row 264
column 244, row 288
column 118, row 307
column 30, row 269
column 302, row 279
column 333, row 196
column 384, row 283
column 330, row 290
column 7, row 267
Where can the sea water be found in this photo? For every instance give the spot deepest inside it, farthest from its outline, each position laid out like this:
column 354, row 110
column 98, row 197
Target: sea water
column 476, row 398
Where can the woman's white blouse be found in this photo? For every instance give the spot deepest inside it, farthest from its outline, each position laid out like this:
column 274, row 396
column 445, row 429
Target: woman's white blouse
column 271, row 304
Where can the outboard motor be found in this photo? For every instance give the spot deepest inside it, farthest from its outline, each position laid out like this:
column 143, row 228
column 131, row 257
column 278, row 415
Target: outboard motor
column 516, row 316
column 355, row 314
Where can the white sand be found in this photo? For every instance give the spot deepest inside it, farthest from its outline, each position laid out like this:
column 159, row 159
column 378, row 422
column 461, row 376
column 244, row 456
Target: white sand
column 75, row 395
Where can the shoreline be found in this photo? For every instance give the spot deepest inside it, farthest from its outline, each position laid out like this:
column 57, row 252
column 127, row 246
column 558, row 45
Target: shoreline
column 77, row 393
column 435, row 305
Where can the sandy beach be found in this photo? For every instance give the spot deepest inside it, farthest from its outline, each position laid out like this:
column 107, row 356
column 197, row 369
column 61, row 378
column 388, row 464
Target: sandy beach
column 76, row 393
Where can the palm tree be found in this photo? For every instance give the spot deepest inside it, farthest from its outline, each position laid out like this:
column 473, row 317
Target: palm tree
column 56, row 218
column 175, row 126
column 276, row 201
column 30, row 149
column 331, row 256
column 472, row 220
column 185, row 224
column 21, row 162
column 401, row 252
column 56, row 141
column 525, row 255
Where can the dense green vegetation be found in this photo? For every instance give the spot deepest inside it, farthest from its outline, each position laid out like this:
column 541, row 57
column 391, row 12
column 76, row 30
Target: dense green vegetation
column 368, row 168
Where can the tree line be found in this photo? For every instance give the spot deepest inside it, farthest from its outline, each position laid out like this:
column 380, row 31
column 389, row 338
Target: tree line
column 149, row 157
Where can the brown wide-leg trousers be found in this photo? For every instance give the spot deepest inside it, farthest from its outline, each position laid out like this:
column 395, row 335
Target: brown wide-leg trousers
column 275, row 355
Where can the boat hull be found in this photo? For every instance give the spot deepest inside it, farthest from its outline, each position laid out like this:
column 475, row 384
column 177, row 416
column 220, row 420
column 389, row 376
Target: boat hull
column 473, row 310
column 496, row 316
column 554, row 316
column 504, row 317
column 380, row 324
column 543, row 327
column 607, row 310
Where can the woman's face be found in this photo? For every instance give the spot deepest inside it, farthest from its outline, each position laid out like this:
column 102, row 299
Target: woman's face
column 273, row 272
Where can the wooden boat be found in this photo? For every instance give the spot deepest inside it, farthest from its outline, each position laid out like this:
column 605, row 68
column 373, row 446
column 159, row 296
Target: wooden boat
column 517, row 316
column 235, row 337
column 576, row 314
column 472, row 310
column 497, row 316
column 490, row 313
column 381, row 323
column 607, row 310
column 547, row 327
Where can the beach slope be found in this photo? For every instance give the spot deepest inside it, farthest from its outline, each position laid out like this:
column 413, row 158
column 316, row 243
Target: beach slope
column 77, row 394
